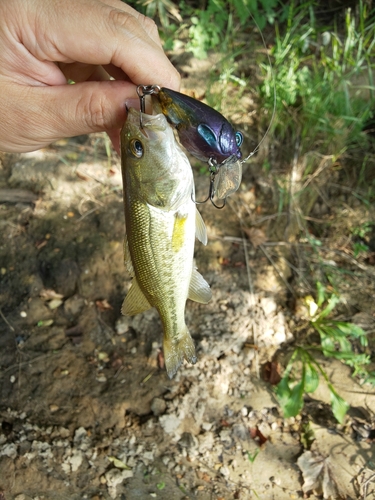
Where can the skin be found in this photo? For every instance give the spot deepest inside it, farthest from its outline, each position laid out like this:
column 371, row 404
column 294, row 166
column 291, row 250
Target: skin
column 43, row 43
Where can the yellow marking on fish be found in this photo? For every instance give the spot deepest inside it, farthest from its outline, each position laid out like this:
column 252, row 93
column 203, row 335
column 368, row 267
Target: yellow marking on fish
column 178, row 235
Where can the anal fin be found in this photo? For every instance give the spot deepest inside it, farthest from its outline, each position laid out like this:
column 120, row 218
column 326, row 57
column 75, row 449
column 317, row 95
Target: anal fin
column 199, row 289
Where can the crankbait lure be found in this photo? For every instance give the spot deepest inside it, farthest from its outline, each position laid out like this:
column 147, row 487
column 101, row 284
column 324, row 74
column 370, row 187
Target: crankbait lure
column 202, row 130
column 205, row 133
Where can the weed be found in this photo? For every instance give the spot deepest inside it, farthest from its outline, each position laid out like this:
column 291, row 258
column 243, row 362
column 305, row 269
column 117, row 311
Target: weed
column 252, row 456
column 339, row 340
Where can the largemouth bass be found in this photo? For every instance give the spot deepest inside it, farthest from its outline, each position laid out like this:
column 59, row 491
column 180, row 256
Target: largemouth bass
column 161, row 222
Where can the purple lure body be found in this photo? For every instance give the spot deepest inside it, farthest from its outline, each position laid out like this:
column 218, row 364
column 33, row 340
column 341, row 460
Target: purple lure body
column 203, row 131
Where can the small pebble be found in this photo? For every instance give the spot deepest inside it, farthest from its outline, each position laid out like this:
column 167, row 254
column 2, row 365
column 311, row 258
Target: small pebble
column 23, row 314
column 158, row 406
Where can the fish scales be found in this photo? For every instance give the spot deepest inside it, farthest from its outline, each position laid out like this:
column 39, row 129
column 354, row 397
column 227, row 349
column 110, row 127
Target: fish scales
column 160, row 219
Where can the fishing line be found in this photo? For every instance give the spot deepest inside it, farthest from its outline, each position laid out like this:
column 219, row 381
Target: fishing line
column 229, row 172
column 274, row 92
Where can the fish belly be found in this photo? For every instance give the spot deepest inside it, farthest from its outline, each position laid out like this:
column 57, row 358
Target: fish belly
column 161, row 245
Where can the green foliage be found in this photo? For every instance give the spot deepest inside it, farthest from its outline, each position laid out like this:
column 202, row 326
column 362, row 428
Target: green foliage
column 252, row 456
column 207, row 28
column 339, row 340
column 162, row 10
column 313, row 74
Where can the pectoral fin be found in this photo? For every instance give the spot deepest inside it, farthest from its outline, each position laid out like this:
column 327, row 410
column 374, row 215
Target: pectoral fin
column 199, row 289
column 200, row 228
column 127, row 257
column 135, row 302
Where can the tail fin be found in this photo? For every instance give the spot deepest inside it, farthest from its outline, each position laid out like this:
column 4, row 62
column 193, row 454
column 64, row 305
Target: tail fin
column 176, row 349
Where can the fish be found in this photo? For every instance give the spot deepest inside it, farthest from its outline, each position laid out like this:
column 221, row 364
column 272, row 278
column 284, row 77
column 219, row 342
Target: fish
column 161, row 222
column 203, row 131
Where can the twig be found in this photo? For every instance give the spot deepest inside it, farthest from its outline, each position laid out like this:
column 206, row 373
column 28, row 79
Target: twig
column 86, row 214
column 365, row 485
column 252, row 303
column 6, row 321
column 30, row 361
column 277, row 270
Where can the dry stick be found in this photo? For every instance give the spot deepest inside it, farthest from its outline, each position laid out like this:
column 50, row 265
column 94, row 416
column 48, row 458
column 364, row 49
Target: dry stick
column 6, row 321
column 277, row 270
column 252, row 296
column 29, row 362
column 367, row 269
column 365, row 485
column 252, row 303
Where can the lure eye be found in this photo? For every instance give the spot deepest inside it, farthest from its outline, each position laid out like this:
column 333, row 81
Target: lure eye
column 239, row 139
column 136, row 148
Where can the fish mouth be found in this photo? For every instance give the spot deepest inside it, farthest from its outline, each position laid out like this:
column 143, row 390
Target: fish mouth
column 149, row 126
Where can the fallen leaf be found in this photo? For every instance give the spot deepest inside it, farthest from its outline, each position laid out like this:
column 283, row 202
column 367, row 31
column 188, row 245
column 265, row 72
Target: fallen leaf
column 317, row 475
column 50, row 294
column 119, row 464
column 46, row 322
column 54, row 303
column 160, row 359
column 271, row 372
column 103, row 305
column 257, row 436
column 82, row 176
column 256, row 236
column 40, row 244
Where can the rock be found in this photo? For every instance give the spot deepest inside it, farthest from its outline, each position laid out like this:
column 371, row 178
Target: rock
column 9, row 450
column 114, row 477
column 240, row 431
column 158, row 406
column 66, row 277
column 188, row 440
column 73, row 306
column 169, row 423
column 37, row 311
column 76, row 460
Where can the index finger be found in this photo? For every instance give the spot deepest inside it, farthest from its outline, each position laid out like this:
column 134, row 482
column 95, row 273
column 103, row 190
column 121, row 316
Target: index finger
column 110, row 32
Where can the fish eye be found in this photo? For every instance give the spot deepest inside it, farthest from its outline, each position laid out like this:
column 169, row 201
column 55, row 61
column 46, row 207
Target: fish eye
column 239, row 139
column 136, row 148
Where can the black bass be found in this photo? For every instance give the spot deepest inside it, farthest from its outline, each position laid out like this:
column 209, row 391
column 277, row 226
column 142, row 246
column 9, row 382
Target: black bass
column 161, row 224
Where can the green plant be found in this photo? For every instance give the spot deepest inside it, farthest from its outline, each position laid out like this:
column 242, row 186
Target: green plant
column 338, row 339
column 313, row 74
column 252, row 456
column 160, row 9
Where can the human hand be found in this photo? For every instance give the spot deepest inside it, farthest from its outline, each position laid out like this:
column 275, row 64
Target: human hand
column 44, row 43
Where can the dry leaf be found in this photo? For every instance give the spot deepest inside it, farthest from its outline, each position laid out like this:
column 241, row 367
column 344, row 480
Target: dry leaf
column 103, row 305
column 50, row 295
column 256, row 236
column 317, row 475
column 256, row 434
column 271, row 372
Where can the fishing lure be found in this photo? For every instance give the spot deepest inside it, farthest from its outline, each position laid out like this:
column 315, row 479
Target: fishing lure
column 202, row 130
column 206, row 134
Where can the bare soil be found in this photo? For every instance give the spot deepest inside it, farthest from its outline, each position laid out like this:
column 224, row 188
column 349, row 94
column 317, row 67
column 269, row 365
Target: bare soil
column 86, row 407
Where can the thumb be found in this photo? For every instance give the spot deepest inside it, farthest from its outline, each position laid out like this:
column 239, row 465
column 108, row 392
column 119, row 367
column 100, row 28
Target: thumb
column 37, row 116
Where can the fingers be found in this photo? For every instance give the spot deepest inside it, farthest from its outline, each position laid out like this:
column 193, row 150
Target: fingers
column 61, row 111
column 100, row 33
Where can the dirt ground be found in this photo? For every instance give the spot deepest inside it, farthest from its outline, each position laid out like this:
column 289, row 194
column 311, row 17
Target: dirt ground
column 86, row 408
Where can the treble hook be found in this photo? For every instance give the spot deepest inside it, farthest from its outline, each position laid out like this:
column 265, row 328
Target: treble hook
column 142, row 91
column 211, row 192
